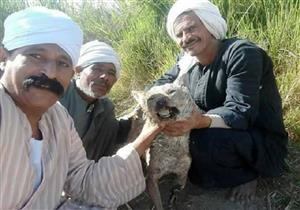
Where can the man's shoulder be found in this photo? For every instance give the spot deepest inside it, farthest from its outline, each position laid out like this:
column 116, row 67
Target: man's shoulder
column 236, row 47
column 59, row 111
column 1, row 92
column 237, row 43
column 68, row 92
column 4, row 97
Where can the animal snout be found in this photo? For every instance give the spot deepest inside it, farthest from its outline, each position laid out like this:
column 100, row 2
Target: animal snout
column 161, row 104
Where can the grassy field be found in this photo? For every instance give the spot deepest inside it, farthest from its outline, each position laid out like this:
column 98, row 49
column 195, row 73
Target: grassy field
column 136, row 29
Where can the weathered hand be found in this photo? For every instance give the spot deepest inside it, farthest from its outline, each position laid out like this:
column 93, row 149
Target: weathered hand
column 180, row 127
column 147, row 135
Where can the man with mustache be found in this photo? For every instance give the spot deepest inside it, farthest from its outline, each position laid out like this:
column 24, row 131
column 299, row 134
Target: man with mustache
column 41, row 153
column 43, row 82
column 97, row 71
column 241, row 136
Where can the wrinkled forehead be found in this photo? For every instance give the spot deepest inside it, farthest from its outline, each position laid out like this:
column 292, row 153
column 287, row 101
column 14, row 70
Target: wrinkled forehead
column 190, row 16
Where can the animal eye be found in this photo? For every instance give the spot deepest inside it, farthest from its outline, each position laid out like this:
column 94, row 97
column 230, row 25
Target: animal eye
column 171, row 91
column 151, row 98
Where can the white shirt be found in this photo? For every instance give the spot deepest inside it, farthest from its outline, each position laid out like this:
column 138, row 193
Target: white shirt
column 36, row 160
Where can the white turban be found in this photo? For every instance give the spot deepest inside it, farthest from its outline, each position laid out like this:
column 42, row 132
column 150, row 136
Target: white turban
column 98, row 52
column 40, row 25
column 207, row 12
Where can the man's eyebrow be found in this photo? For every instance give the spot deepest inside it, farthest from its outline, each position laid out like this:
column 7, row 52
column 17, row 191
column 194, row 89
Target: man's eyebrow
column 65, row 57
column 102, row 68
column 41, row 49
column 99, row 66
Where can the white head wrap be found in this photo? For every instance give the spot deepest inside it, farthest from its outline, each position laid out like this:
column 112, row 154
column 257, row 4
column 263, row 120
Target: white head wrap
column 40, row 25
column 98, row 52
column 207, row 12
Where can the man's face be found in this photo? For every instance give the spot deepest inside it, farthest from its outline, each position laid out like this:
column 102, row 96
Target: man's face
column 97, row 79
column 37, row 75
column 191, row 35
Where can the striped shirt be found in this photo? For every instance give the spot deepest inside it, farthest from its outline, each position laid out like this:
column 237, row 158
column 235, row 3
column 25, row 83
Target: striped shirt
column 109, row 183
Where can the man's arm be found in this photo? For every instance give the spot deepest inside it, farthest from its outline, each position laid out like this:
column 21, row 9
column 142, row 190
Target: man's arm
column 111, row 181
column 244, row 70
column 143, row 141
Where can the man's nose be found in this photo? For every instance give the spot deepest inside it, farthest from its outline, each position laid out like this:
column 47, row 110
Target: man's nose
column 185, row 37
column 103, row 75
column 49, row 69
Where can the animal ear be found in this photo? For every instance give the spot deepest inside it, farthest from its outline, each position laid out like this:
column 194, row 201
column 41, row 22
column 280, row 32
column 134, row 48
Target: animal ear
column 139, row 96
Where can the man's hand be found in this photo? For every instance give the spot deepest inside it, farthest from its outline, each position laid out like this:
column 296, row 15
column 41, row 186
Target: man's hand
column 180, row 127
column 148, row 134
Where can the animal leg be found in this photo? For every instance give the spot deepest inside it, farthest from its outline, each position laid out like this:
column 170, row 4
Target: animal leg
column 174, row 194
column 153, row 191
column 183, row 173
column 181, row 181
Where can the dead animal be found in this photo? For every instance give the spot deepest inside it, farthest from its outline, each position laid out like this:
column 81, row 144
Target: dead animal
column 167, row 155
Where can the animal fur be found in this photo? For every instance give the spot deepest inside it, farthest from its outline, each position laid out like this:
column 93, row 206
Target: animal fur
column 167, row 155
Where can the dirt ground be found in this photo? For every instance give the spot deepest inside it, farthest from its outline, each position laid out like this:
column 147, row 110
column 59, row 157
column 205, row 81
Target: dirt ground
column 272, row 194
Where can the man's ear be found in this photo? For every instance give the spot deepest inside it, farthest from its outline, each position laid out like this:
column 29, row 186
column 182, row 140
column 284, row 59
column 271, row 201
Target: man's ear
column 3, row 54
column 3, row 57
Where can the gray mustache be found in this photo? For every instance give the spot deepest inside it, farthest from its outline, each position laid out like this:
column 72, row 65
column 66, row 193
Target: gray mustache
column 43, row 82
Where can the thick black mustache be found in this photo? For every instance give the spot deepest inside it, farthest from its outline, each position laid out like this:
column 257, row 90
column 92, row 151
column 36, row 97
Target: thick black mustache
column 43, row 82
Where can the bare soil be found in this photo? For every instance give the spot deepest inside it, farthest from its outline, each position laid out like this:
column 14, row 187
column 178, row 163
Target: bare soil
column 272, row 194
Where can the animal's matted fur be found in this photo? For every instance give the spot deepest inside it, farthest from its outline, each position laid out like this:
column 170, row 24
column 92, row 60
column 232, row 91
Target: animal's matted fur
column 167, row 154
